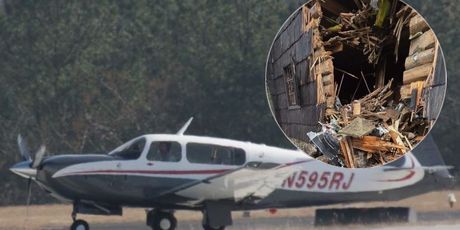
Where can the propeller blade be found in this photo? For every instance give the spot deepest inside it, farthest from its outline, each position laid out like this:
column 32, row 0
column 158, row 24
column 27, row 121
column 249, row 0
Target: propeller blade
column 29, row 190
column 38, row 157
column 23, row 149
column 29, row 193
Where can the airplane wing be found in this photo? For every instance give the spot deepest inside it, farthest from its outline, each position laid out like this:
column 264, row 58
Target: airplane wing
column 255, row 179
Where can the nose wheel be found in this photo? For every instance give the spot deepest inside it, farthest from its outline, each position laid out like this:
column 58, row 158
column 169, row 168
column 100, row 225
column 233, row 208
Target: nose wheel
column 78, row 224
column 161, row 220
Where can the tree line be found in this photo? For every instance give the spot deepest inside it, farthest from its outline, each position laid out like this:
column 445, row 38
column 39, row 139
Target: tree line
column 86, row 76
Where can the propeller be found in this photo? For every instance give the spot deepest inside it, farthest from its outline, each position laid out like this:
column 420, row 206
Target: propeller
column 23, row 149
column 26, row 156
column 28, row 168
column 38, row 157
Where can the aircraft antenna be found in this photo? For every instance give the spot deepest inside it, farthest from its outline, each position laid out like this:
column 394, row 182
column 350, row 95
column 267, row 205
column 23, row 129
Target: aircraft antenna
column 184, row 128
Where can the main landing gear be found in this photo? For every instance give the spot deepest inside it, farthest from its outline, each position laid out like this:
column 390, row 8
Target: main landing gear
column 161, row 220
column 78, row 224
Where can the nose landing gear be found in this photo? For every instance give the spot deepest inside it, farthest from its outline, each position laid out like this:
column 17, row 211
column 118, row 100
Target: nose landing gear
column 161, row 220
column 78, row 224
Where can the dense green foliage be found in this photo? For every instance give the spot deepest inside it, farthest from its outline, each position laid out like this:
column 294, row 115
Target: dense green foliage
column 86, row 76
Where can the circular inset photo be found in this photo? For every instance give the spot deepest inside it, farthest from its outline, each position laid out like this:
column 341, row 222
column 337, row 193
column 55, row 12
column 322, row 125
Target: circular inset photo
column 356, row 83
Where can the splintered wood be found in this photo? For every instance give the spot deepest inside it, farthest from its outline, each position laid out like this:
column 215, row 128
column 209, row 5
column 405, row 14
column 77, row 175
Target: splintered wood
column 323, row 66
column 389, row 120
column 376, row 128
column 354, row 29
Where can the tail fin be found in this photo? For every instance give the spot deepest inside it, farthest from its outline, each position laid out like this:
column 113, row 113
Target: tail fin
column 428, row 156
column 427, row 153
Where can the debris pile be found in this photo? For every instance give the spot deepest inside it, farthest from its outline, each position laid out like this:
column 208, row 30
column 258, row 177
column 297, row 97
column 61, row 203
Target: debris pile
column 370, row 131
column 389, row 119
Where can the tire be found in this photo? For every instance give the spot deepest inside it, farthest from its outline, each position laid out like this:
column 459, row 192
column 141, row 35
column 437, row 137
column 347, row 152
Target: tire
column 79, row 225
column 208, row 227
column 164, row 221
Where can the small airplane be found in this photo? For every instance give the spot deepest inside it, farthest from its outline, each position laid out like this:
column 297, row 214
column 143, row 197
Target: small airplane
column 168, row 172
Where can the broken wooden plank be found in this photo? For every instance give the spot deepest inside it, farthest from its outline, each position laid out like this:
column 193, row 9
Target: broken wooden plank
column 321, row 53
column 420, row 58
column 405, row 92
column 347, row 151
column 425, row 41
column 416, row 74
column 320, row 96
column 316, row 12
column 396, row 138
column 324, row 67
column 374, row 144
column 417, row 90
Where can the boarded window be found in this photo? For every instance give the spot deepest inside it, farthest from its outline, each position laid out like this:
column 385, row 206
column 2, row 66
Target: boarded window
column 292, row 87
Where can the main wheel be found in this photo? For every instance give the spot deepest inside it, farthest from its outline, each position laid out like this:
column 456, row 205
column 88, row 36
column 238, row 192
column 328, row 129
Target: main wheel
column 163, row 221
column 79, row 225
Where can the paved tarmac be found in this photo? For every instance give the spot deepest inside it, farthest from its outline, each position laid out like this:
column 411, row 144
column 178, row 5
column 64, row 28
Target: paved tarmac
column 425, row 221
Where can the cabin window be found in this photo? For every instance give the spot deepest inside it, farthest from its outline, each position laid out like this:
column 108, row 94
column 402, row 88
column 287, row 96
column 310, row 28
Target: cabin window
column 215, row 154
column 167, row 151
column 132, row 151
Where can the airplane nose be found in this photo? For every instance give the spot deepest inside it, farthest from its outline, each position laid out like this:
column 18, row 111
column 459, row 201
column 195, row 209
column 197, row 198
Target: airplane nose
column 23, row 169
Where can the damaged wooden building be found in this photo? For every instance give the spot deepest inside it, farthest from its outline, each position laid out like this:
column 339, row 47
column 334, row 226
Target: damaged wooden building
column 356, row 83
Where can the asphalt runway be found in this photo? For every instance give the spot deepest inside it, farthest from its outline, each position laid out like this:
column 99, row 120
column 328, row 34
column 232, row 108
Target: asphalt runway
column 425, row 221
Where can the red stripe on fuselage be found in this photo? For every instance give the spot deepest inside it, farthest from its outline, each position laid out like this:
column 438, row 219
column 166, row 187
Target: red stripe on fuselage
column 407, row 177
column 160, row 172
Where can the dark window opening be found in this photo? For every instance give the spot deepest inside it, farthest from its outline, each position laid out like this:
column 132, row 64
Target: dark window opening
column 292, row 87
column 215, row 154
column 132, row 151
column 360, row 77
column 167, row 151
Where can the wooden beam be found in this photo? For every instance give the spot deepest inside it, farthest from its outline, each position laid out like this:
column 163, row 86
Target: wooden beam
column 425, row 41
column 417, row 74
column 374, row 144
column 417, row 24
column 420, row 58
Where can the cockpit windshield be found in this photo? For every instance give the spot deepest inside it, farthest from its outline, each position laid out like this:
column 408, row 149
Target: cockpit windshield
column 132, row 151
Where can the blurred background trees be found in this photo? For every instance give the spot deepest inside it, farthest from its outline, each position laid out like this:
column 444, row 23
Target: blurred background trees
column 86, row 76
